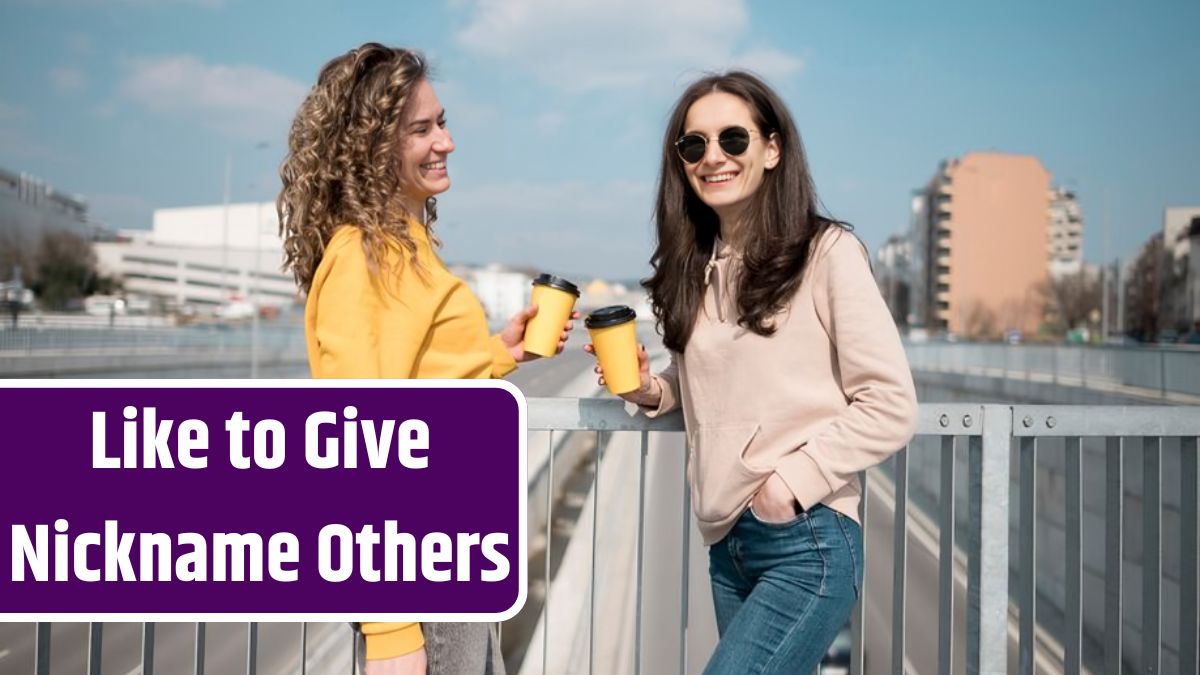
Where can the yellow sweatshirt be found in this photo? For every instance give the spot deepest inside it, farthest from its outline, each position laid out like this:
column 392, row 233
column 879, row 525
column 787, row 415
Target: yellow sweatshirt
column 410, row 327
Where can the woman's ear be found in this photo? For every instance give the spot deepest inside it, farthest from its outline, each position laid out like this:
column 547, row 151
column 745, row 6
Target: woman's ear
column 773, row 153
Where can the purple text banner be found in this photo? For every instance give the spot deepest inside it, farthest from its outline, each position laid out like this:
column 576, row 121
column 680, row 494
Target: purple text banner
column 322, row 500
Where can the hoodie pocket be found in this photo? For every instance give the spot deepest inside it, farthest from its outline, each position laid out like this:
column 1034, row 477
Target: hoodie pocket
column 721, row 481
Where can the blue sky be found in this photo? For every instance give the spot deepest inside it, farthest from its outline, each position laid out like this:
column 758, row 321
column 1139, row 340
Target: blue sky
column 557, row 106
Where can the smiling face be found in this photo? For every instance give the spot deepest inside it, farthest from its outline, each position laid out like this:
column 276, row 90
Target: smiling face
column 725, row 183
column 423, row 151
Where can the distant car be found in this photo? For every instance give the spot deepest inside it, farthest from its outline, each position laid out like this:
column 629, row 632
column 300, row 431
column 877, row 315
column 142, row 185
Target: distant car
column 104, row 305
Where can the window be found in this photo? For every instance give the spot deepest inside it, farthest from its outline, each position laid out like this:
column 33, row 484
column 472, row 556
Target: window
column 149, row 261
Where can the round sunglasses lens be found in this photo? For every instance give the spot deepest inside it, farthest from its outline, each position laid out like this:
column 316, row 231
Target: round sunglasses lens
column 734, row 141
column 691, row 148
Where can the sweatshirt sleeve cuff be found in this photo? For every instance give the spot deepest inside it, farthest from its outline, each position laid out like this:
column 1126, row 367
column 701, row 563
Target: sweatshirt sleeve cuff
column 668, row 402
column 804, row 478
column 503, row 362
column 389, row 640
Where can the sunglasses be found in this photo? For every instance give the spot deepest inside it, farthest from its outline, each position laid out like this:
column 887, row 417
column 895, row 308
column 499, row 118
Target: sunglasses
column 733, row 141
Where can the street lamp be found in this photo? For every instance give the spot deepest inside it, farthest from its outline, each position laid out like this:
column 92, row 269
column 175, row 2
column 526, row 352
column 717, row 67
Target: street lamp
column 254, row 281
column 261, row 145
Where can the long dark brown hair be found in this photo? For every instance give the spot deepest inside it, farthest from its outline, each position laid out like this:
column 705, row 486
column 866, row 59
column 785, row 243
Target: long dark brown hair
column 342, row 166
column 782, row 220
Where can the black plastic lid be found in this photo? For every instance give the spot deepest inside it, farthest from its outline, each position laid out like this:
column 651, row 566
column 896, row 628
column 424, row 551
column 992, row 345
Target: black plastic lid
column 556, row 282
column 612, row 315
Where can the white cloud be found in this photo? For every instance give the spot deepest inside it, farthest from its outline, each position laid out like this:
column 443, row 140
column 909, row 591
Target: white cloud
column 551, row 121
column 68, row 80
column 462, row 107
column 581, row 45
column 242, row 101
column 577, row 228
column 770, row 63
column 18, row 143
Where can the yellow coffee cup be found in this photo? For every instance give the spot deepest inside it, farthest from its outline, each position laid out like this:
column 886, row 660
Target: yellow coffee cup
column 614, row 337
column 555, row 298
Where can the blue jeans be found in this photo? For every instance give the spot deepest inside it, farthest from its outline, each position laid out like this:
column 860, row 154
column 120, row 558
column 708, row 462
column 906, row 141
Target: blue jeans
column 782, row 591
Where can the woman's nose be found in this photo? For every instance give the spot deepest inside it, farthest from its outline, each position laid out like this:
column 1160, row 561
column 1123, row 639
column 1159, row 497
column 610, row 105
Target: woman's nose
column 445, row 143
column 713, row 154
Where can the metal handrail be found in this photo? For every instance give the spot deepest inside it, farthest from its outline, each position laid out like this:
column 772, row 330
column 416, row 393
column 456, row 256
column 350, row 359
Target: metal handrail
column 987, row 435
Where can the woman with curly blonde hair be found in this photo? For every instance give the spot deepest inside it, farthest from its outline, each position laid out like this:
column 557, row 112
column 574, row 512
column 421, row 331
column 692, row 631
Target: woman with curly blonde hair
column 366, row 156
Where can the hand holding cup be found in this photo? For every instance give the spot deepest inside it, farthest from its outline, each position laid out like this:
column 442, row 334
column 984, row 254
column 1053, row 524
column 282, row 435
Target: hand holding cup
column 513, row 335
column 555, row 299
column 648, row 392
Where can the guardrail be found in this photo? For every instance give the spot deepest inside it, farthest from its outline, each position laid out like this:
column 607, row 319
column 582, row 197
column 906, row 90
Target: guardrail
column 1154, row 371
column 979, row 445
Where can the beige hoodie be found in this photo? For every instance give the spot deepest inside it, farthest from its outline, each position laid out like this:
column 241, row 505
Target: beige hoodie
column 828, row 395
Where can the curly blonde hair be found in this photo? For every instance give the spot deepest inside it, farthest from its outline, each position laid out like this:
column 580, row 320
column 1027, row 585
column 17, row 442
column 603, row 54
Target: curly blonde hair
column 342, row 165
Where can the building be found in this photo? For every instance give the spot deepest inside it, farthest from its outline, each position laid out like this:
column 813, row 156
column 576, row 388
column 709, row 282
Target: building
column 1174, row 303
column 918, row 235
column 1176, row 223
column 893, row 274
column 30, row 207
column 1193, row 276
column 204, row 257
column 501, row 290
column 985, row 227
column 1066, row 233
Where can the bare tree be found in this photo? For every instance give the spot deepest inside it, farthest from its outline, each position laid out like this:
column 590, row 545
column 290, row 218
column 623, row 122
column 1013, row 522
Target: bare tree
column 64, row 269
column 1143, row 291
column 1070, row 301
column 979, row 321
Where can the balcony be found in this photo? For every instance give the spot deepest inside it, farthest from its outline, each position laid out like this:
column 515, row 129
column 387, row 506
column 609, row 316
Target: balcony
column 623, row 598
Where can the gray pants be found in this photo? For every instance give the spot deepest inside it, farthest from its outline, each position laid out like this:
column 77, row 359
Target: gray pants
column 463, row 649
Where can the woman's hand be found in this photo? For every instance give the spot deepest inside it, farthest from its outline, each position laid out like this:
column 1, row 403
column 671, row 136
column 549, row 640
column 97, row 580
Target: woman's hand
column 412, row 663
column 774, row 501
column 649, row 394
column 513, row 335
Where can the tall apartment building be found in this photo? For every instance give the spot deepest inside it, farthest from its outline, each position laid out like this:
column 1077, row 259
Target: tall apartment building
column 1066, row 233
column 984, row 225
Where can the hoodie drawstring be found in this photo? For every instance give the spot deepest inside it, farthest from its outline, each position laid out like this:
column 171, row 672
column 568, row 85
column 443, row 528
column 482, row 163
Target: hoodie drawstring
column 709, row 268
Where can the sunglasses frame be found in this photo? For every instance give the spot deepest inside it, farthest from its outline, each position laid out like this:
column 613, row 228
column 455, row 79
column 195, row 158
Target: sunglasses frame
column 750, row 133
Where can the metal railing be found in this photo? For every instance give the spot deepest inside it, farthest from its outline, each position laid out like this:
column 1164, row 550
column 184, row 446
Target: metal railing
column 976, row 446
column 59, row 352
column 989, row 433
column 1156, row 371
column 124, row 340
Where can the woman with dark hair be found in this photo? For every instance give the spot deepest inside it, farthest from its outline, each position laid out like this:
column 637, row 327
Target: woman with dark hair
column 367, row 154
column 786, row 363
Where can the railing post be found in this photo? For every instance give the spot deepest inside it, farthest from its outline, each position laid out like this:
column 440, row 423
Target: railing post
column 41, row 650
column 987, row 590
